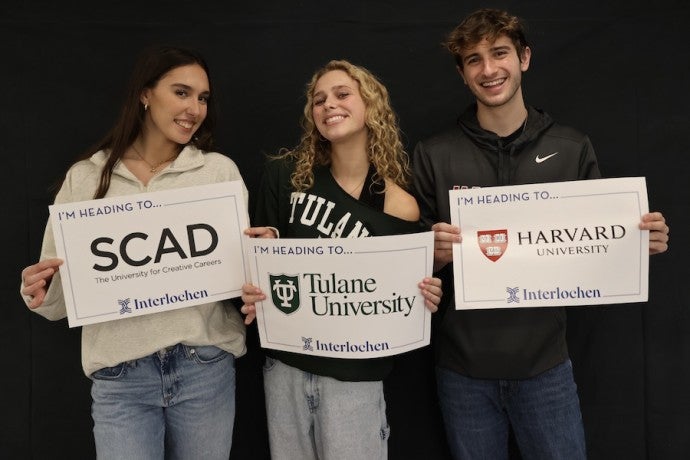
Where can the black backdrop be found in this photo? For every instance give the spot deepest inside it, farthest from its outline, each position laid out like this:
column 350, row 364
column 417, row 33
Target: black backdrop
column 618, row 72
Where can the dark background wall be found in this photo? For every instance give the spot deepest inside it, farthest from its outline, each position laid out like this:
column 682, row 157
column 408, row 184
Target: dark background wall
column 618, row 71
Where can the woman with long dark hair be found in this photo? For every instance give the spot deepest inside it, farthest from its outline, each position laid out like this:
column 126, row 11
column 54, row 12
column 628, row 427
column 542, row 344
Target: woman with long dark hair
column 163, row 383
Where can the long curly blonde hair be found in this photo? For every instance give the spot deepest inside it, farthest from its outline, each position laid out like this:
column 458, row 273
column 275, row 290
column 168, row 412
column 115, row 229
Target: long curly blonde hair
column 385, row 149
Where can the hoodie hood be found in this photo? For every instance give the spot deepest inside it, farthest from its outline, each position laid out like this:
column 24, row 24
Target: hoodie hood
column 502, row 155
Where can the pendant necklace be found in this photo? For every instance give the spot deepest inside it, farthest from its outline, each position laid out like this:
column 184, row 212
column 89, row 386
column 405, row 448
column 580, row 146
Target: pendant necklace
column 353, row 189
column 155, row 167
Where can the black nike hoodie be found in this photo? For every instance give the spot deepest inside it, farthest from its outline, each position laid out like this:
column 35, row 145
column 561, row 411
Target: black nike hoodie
column 504, row 343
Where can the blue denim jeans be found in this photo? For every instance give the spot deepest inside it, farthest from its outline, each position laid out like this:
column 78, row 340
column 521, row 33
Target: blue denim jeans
column 313, row 417
column 543, row 411
column 178, row 403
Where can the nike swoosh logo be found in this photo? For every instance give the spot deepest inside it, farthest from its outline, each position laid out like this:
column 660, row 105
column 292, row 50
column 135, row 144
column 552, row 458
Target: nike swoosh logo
column 539, row 159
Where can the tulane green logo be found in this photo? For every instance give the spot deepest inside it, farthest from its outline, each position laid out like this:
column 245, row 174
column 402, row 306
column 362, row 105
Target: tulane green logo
column 285, row 292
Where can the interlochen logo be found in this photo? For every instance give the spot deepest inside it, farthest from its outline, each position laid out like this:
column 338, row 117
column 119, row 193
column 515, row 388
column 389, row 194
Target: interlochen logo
column 124, row 305
column 307, row 344
column 513, row 294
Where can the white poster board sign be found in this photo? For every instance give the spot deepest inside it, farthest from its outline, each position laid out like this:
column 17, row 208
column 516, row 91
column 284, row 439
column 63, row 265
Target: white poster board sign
column 146, row 253
column 344, row 297
column 552, row 244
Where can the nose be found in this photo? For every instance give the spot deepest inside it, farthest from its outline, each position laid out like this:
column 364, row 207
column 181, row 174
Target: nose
column 194, row 107
column 489, row 67
column 329, row 103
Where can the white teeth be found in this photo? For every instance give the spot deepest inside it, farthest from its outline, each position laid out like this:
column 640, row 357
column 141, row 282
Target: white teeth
column 185, row 124
column 493, row 83
column 334, row 119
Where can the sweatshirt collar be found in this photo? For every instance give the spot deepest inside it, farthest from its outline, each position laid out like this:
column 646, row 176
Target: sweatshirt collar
column 189, row 158
column 537, row 122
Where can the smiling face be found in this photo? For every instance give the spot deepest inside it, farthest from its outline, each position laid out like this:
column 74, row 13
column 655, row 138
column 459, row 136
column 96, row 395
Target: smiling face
column 493, row 72
column 177, row 105
column 338, row 109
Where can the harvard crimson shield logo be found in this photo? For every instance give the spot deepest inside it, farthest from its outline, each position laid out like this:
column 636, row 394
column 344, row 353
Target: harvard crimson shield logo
column 493, row 243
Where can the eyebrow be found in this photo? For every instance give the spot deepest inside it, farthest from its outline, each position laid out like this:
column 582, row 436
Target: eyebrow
column 491, row 49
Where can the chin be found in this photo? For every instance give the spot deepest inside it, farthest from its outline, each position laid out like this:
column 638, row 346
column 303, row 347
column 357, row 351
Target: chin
column 182, row 140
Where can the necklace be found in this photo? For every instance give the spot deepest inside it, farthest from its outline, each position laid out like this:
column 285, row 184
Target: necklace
column 354, row 189
column 155, row 167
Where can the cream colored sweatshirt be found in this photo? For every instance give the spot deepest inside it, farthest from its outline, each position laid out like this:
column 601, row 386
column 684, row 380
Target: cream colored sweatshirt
column 110, row 343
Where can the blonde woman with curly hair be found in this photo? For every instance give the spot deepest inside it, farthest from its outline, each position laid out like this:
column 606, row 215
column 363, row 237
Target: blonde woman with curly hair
column 346, row 178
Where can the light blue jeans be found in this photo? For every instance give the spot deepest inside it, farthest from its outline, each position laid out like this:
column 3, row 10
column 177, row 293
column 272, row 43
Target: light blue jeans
column 544, row 412
column 314, row 417
column 178, row 403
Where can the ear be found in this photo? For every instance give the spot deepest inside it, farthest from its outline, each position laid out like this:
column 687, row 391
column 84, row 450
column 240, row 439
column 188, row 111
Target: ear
column 144, row 97
column 524, row 59
column 462, row 75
